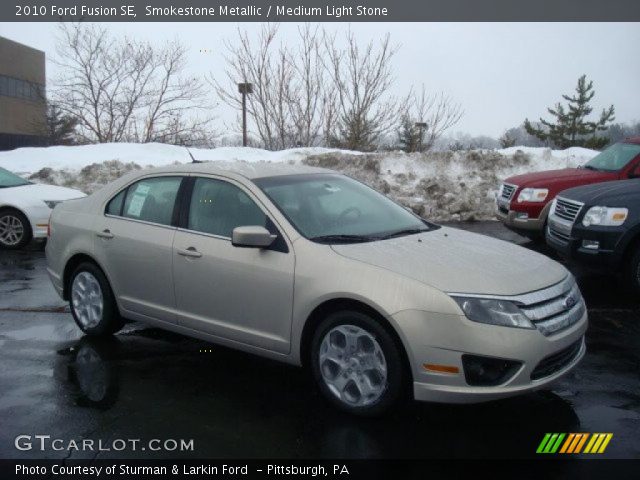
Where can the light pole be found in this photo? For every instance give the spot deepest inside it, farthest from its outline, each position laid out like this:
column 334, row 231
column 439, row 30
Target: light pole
column 421, row 127
column 244, row 88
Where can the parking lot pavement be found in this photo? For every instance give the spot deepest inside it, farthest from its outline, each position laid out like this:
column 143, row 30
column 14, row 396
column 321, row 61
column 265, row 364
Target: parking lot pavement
column 148, row 384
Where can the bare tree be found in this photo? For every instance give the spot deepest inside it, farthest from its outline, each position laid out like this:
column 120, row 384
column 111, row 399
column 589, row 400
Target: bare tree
column 289, row 100
column 438, row 111
column 125, row 90
column 361, row 78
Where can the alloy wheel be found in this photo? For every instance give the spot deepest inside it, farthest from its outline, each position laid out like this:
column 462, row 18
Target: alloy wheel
column 87, row 299
column 11, row 230
column 353, row 365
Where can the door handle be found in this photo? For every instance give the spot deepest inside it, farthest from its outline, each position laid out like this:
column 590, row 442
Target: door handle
column 189, row 252
column 105, row 234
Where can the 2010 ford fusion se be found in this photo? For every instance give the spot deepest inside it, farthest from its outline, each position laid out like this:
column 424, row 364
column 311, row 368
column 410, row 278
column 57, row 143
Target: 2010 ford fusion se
column 311, row 267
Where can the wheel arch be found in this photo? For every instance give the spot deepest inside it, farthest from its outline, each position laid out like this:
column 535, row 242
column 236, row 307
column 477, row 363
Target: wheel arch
column 332, row 305
column 71, row 264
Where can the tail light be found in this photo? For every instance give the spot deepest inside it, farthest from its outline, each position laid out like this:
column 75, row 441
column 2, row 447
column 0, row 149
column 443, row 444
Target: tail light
column 49, row 227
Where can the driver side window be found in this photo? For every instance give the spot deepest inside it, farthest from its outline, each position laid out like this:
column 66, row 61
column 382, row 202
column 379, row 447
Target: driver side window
column 217, row 207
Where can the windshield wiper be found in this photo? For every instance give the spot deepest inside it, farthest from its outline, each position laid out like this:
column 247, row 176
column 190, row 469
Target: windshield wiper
column 589, row 167
column 343, row 238
column 402, row 233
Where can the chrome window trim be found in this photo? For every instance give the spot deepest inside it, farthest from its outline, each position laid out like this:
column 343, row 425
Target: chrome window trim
column 145, row 222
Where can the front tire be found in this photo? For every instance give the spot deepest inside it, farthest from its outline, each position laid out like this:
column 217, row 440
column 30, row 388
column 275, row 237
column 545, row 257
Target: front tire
column 92, row 302
column 15, row 229
column 356, row 363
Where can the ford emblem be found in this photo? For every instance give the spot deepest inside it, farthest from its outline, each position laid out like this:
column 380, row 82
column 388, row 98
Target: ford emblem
column 569, row 302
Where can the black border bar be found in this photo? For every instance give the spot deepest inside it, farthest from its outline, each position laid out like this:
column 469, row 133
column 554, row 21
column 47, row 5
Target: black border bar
column 321, row 10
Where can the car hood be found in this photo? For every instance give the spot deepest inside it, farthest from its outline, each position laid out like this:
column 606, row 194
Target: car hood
column 550, row 177
column 38, row 191
column 453, row 260
column 625, row 191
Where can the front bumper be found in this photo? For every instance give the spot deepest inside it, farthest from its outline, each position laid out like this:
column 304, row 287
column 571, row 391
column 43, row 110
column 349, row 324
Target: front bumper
column 444, row 339
column 567, row 240
column 513, row 219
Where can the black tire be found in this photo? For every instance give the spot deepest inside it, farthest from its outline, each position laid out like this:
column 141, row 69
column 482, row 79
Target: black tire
column 8, row 214
column 109, row 320
column 396, row 375
column 633, row 272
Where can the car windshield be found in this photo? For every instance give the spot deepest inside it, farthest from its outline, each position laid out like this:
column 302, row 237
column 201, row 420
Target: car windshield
column 8, row 179
column 614, row 158
column 331, row 208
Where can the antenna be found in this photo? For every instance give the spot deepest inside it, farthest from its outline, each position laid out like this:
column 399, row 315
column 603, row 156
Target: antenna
column 193, row 160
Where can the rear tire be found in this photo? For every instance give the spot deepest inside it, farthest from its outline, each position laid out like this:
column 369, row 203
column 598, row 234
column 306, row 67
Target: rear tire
column 92, row 302
column 15, row 229
column 356, row 363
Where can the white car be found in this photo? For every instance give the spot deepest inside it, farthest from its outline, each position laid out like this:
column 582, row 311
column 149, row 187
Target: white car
column 25, row 208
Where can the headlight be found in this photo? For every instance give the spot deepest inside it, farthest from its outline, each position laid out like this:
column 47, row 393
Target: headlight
column 493, row 312
column 533, row 195
column 52, row 203
column 606, row 216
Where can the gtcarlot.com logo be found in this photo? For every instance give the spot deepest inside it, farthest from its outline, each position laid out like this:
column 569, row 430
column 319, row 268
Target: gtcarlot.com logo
column 574, row 443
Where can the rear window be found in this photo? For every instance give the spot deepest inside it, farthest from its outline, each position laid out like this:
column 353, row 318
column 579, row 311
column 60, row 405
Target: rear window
column 151, row 200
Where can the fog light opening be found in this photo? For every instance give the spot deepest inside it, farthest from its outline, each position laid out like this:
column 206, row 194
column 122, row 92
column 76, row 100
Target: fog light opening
column 591, row 244
column 522, row 216
column 488, row 372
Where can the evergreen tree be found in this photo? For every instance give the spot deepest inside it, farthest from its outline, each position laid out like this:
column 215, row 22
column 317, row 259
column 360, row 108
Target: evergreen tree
column 571, row 126
column 409, row 135
column 60, row 127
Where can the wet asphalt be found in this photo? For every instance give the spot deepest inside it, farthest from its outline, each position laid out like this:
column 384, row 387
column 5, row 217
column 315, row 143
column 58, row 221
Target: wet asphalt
column 145, row 384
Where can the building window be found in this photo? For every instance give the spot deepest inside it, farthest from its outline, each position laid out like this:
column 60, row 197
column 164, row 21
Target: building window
column 16, row 88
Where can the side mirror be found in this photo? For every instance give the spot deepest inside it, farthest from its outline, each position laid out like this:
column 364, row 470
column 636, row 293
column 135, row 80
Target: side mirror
column 252, row 236
column 635, row 173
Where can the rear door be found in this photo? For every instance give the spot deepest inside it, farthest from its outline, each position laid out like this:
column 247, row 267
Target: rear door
column 240, row 294
column 134, row 241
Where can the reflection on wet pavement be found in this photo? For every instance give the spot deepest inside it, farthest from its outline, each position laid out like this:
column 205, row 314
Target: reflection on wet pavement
column 146, row 383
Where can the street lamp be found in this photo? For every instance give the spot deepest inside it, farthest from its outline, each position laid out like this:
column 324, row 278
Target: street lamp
column 244, row 88
column 421, row 127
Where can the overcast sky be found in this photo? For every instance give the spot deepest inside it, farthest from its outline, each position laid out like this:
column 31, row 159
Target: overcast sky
column 500, row 72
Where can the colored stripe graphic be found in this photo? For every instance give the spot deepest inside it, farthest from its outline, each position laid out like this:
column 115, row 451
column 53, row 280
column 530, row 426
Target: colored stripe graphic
column 574, row 443
column 550, row 443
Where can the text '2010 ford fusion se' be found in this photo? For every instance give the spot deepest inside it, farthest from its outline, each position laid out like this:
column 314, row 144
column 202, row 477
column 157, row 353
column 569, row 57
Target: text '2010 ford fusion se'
column 313, row 268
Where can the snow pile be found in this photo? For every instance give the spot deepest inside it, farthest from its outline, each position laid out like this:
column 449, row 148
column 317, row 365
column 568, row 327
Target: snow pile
column 446, row 186
column 25, row 161
column 438, row 185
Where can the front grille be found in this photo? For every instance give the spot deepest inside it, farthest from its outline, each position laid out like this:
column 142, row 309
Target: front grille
column 557, row 361
column 554, row 309
column 567, row 209
column 507, row 191
column 557, row 233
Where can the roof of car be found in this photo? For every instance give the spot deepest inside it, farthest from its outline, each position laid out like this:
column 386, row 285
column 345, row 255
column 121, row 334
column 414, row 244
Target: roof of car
column 251, row 170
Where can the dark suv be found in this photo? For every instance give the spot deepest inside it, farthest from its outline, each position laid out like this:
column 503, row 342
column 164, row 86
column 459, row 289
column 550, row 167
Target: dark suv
column 599, row 224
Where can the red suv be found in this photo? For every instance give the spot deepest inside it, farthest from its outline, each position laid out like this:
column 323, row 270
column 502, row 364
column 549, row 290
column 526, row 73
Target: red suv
column 523, row 201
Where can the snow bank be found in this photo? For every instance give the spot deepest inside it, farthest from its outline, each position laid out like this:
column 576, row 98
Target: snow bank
column 26, row 161
column 438, row 185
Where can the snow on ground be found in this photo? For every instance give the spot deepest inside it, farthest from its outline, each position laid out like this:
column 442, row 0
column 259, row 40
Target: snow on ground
column 438, row 185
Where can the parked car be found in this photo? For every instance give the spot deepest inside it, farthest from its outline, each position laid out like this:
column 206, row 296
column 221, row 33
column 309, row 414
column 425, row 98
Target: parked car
column 600, row 224
column 523, row 201
column 25, row 208
column 310, row 267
